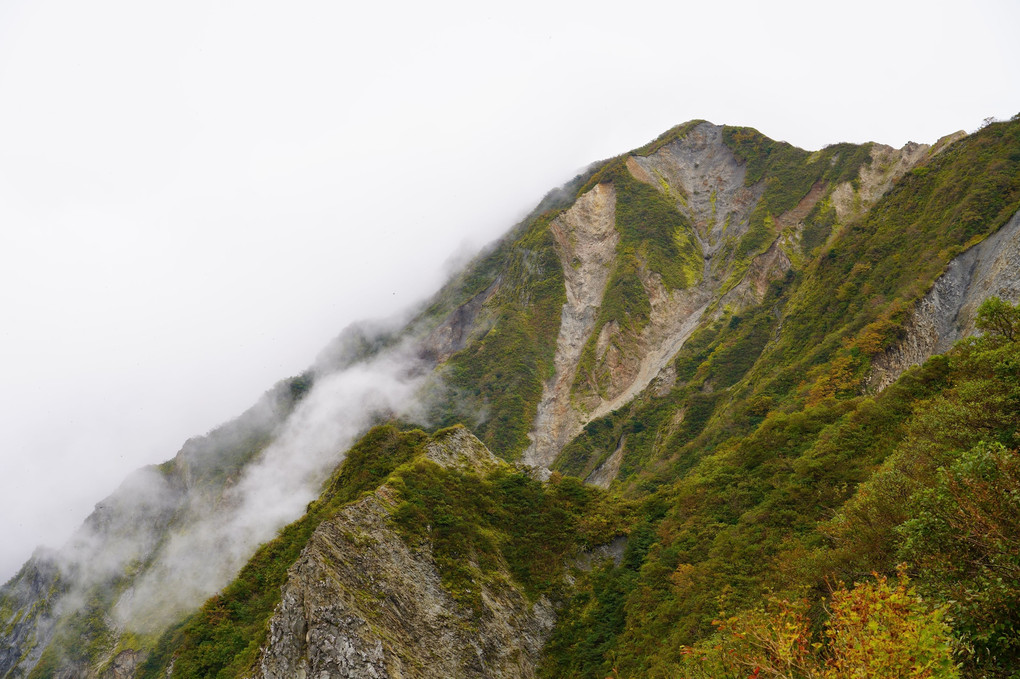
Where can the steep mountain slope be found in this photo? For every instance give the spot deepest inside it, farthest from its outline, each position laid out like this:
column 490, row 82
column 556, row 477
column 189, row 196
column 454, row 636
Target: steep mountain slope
column 947, row 312
column 700, row 326
column 122, row 538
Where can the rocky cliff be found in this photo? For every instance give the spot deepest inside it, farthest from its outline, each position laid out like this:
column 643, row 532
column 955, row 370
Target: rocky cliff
column 360, row 603
column 947, row 311
column 701, row 176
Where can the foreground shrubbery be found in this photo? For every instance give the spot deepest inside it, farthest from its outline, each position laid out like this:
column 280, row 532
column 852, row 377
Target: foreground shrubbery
column 875, row 629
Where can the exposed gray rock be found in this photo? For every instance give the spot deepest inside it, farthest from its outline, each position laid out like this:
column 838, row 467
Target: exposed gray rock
column 706, row 181
column 457, row 448
column 613, row 550
column 27, row 600
column 124, row 535
column 72, row 671
column 875, row 179
column 360, row 603
column 604, row 474
column 947, row 312
column 123, row 666
column 586, row 239
column 764, row 268
column 456, row 329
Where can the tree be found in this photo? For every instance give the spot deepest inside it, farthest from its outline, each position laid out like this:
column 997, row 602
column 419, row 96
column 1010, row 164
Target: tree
column 998, row 320
column 965, row 542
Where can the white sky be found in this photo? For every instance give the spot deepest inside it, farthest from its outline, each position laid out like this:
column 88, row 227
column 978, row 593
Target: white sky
column 196, row 196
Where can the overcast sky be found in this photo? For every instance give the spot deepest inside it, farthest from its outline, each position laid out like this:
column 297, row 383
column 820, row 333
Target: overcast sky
column 195, row 196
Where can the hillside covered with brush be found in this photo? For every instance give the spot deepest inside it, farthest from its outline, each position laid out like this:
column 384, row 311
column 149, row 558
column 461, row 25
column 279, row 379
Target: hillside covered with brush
column 719, row 407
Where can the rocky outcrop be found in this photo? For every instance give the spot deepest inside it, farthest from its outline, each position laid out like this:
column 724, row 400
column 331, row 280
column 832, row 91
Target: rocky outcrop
column 456, row 329
column 768, row 266
column 947, row 312
column 360, row 603
column 123, row 666
column 706, row 181
column 123, row 537
column 457, row 448
column 124, row 529
column 27, row 619
column 586, row 240
column 604, row 474
column 674, row 319
column 887, row 165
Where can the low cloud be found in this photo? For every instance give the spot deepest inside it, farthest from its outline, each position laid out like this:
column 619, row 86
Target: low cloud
column 187, row 537
column 205, row 553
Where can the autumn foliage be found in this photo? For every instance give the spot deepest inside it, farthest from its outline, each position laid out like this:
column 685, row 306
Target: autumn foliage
column 881, row 628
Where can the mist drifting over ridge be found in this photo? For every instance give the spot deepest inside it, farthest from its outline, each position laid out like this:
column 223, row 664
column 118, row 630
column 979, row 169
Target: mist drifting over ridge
column 172, row 247
column 189, row 536
column 277, row 487
column 181, row 537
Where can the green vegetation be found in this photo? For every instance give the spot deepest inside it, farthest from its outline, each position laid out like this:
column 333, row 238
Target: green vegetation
column 653, row 229
column 754, row 516
column 669, row 136
column 999, row 321
column 655, row 427
column 876, row 629
column 655, row 238
column 852, row 299
column 818, row 225
column 82, row 637
column 753, row 466
column 494, row 384
column 222, row 639
column 474, row 524
column 496, row 381
column 788, row 173
column 945, row 500
column 757, row 477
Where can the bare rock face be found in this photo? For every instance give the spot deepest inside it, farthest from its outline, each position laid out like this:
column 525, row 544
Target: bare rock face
column 700, row 174
column 586, row 240
column 123, row 665
column 457, row 448
column 604, row 474
column 707, row 181
column 360, row 603
column 453, row 333
column 887, row 165
column 947, row 312
column 123, row 528
column 765, row 268
column 27, row 624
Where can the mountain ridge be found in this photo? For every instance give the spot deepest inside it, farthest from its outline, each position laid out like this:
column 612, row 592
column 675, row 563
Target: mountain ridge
column 671, row 306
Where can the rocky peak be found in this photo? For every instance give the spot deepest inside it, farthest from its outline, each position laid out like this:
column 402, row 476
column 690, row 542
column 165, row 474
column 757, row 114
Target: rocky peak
column 360, row 603
column 458, row 448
